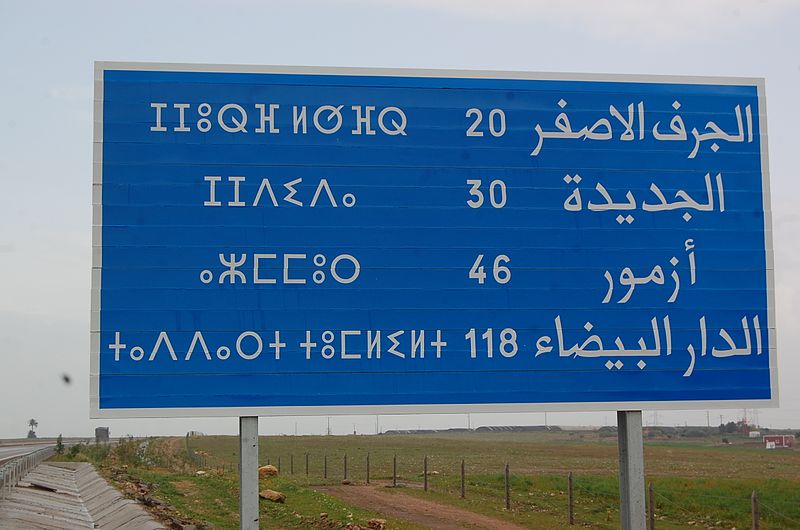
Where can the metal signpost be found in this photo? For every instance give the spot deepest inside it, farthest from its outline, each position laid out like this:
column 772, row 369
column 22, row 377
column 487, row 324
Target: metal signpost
column 292, row 241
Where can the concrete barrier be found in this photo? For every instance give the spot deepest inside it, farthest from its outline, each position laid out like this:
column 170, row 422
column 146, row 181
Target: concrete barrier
column 67, row 495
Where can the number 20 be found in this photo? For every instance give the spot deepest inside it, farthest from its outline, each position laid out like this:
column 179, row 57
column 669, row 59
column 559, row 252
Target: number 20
column 497, row 122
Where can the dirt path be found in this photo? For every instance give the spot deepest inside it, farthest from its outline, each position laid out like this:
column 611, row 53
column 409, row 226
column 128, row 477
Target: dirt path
column 418, row 511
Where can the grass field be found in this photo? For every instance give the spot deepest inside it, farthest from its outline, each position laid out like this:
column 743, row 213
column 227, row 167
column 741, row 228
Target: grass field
column 700, row 484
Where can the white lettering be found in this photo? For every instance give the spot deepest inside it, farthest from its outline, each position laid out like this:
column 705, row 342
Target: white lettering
column 163, row 338
column 308, row 345
column 438, row 344
column 256, row 277
column 399, row 128
column 374, row 344
column 265, row 185
column 346, row 355
column 267, row 118
column 212, row 191
column 198, row 337
column 290, row 187
column 236, row 181
column 158, row 127
column 299, row 119
column 277, row 345
column 259, row 345
column 181, row 117
column 238, row 124
column 286, row 278
column 364, row 120
column 323, row 184
column 395, row 343
column 418, row 343
column 117, row 346
column 335, row 112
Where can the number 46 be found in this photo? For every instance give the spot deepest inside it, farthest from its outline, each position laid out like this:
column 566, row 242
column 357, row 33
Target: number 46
column 500, row 272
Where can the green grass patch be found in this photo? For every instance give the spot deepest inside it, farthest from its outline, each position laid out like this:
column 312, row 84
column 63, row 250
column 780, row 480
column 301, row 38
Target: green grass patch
column 705, row 484
column 696, row 485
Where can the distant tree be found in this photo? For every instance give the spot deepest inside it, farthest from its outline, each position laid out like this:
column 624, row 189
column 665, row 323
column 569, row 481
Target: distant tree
column 59, row 445
column 32, row 423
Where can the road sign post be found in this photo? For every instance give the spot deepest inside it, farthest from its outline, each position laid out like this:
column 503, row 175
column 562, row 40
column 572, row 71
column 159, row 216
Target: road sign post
column 248, row 473
column 631, row 470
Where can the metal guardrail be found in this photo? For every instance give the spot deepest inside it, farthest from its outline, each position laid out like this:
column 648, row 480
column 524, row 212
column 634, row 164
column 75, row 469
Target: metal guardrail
column 15, row 470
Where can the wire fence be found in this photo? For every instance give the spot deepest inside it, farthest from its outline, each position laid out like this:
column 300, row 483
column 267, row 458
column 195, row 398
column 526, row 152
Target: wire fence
column 591, row 500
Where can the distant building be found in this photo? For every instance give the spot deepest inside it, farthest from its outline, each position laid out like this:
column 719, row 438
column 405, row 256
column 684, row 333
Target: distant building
column 102, row 435
column 754, row 434
column 778, row 441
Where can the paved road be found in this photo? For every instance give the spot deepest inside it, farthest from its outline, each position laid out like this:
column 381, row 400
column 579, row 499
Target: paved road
column 8, row 452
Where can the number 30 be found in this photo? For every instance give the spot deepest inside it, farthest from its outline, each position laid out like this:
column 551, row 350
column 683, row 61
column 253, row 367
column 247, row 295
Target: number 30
column 497, row 193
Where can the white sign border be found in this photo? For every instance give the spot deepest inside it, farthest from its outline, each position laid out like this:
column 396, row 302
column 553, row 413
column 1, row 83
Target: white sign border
column 95, row 412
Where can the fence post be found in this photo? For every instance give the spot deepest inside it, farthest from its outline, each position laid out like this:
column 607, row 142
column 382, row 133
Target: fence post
column 394, row 471
column 425, row 473
column 345, row 466
column 463, row 488
column 291, row 464
column 508, row 490
column 652, row 507
column 279, row 465
column 306, row 464
column 367, row 468
column 754, row 509
column 325, row 471
column 570, row 500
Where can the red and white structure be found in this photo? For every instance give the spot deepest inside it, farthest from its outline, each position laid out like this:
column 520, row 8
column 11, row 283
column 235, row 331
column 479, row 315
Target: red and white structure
column 778, row 441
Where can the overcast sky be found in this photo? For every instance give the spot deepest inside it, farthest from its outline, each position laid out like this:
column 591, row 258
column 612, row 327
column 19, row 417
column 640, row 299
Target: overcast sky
column 47, row 51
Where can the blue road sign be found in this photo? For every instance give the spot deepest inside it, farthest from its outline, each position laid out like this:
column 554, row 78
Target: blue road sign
column 312, row 241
